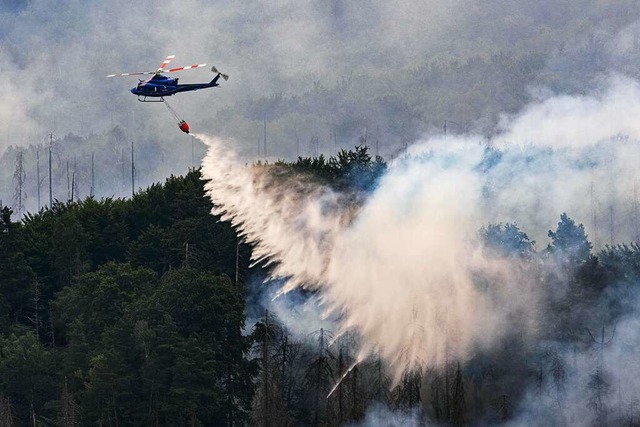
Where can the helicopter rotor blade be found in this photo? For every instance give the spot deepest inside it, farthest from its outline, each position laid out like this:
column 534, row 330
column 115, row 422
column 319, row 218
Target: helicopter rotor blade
column 161, row 69
column 132, row 74
column 188, row 67
column 165, row 63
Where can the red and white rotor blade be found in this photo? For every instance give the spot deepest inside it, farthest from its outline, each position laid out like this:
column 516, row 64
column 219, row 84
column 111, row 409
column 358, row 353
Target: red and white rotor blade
column 188, row 67
column 165, row 63
column 131, row 74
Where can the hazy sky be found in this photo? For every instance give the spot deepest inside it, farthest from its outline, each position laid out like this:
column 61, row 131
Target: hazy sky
column 54, row 55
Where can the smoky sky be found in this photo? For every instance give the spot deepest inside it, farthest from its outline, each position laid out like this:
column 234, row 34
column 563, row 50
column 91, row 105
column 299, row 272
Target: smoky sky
column 54, row 55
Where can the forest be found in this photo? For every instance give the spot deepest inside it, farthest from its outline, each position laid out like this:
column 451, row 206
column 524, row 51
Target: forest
column 134, row 312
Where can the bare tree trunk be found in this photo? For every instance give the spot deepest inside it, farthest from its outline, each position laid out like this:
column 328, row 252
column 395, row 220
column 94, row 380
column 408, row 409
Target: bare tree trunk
column 355, row 407
column 265, row 370
column 69, row 407
column 459, row 406
column 436, row 396
column 340, row 403
column 6, row 412
column 33, row 414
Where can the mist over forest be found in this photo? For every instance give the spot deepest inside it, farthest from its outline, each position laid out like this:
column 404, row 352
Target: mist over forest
column 415, row 214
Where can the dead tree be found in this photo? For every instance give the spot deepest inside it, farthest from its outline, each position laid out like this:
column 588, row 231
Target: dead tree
column 558, row 374
column 268, row 408
column 69, row 410
column 599, row 387
column 503, row 407
column 6, row 412
column 602, row 343
column 599, row 384
column 407, row 393
column 36, row 319
column 19, row 177
column 458, row 404
column 318, row 375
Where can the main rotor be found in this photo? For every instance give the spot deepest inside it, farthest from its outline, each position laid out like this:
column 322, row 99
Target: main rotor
column 162, row 69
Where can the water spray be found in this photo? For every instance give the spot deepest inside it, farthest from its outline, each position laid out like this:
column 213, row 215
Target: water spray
column 366, row 274
column 343, row 376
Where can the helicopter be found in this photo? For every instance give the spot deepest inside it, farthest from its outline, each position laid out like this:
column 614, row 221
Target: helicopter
column 159, row 86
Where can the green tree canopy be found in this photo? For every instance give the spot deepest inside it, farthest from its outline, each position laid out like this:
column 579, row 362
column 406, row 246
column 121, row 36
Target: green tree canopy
column 570, row 241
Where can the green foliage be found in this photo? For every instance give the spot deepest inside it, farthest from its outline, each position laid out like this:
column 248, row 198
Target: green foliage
column 17, row 278
column 349, row 170
column 621, row 263
column 106, row 229
column 133, row 299
column 570, row 241
column 27, row 374
column 169, row 348
column 507, row 240
column 97, row 300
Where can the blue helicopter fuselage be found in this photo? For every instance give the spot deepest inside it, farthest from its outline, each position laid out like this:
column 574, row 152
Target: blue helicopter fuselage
column 160, row 86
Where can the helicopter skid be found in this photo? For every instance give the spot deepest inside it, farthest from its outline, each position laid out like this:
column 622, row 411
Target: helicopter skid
column 144, row 99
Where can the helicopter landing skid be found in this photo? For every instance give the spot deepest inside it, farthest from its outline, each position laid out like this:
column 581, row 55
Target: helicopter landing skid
column 144, row 99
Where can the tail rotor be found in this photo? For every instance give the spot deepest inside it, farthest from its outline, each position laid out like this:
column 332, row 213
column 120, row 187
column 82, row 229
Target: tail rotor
column 215, row 71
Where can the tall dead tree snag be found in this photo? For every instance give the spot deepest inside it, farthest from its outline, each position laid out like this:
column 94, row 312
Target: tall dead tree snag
column 602, row 342
column 69, row 408
column 268, row 406
column 19, row 178
column 599, row 385
column 50, row 179
column 319, row 375
column 6, row 412
column 266, row 377
column 458, row 404
column 408, row 394
column 503, row 407
column 36, row 319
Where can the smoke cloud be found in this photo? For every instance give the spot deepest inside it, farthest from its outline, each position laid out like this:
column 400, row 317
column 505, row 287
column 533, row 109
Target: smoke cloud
column 577, row 121
column 54, row 55
column 402, row 268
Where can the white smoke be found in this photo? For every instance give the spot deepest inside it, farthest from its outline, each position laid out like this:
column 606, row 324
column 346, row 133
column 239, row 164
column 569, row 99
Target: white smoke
column 573, row 399
column 577, row 121
column 576, row 154
column 401, row 268
column 379, row 415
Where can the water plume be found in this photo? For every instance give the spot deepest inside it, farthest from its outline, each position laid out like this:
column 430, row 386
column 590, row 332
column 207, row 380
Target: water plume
column 398, row 269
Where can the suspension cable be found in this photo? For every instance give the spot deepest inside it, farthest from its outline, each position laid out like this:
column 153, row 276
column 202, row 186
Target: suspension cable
column 172, row 111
